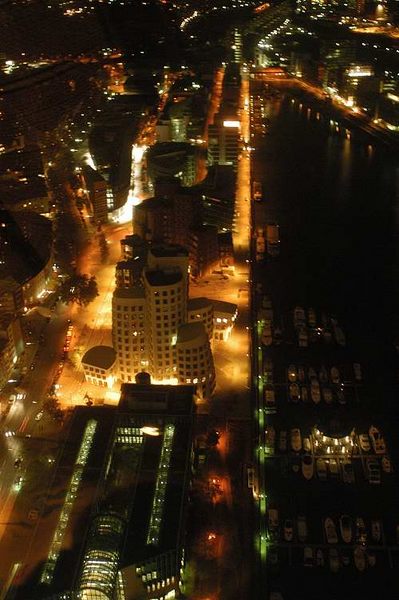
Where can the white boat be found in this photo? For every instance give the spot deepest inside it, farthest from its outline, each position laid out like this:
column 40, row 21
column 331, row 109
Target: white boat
column 294, row 392
column 288, row 530
column 348, row 474
column 308, row 556
column 319, row 557
column 345, row 528
column 345, row 558
column 371, row 559
column 376, row 530
column 301, row 374
column 292, row 373
column 330, row 531
column 339, row 335
column 335, row 376
column 266, row 302
column 334, row 560
column 299, row 316
column 323, row 375
column 386, row 464
column 377, row 441
column 296, row 440
column 304, row 393
column 303, row 340
column 357, row 369
column 312, row 374
column 266, row 337
column 307, row 466
column 359, row 556
column 364, row 442
column 302, row 528
column 273, row 520
column 315, row 392
column 327, row 395
column 306, row 444
column 282, row 441
column 270, row 399
column 312, row 317
column 361, row 531
column 321, row 469
column 270, row 437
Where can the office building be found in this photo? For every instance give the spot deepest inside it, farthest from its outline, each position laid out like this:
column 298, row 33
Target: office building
column 194, row 359
column 124, row 536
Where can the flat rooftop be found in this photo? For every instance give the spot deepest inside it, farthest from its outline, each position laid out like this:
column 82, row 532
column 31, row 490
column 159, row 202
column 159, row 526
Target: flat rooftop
column 135, row 472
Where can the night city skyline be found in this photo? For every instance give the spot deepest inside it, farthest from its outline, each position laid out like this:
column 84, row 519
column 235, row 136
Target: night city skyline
column 199, row 327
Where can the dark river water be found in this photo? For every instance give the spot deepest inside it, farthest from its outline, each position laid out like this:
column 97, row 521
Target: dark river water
column 335, row 195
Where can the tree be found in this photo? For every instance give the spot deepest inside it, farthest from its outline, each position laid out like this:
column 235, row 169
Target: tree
column 79, row 288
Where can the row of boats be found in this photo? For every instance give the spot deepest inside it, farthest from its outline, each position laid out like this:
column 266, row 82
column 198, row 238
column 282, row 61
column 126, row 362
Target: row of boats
column 317, row 557
column 309, row 330
column 344, row 529
column 373, row 441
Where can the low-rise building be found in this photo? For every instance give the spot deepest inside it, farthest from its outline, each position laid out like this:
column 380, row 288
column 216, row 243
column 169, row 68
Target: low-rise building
column 98, row 365
column 194, row 359
column 201, row 309
column 11, row 346
column 119, row 524
column 224, row 317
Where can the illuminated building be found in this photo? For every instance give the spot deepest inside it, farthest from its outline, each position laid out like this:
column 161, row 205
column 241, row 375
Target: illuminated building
column 204, row 250
column 172, row 159
column 125, row 536
column 129, row 331
column 194, row 359
column 25, row 258
column 224, row 142
column 98, row 365
column 166, row 294
column 97, row 188
column 201, row 309
column 11, row 346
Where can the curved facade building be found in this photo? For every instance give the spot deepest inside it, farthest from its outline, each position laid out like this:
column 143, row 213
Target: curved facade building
column 128, row 331
column 166, row 296
column 194, row 359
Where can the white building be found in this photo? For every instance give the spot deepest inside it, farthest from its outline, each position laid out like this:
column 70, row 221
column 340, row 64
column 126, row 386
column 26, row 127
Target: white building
column 194, row 359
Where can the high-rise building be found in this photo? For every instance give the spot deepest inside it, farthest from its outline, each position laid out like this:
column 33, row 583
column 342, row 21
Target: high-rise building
column 147, row 320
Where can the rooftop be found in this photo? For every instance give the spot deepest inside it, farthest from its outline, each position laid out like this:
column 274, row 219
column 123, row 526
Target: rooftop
column 198, row 303
column 191, row 331
column 102, row 357
column 168, row 250
column 219, row 306
column 161, row 277
column 131, row 292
